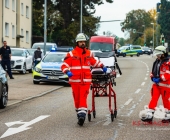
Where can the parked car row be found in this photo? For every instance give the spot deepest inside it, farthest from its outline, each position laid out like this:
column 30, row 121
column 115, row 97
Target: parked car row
column 133, row 50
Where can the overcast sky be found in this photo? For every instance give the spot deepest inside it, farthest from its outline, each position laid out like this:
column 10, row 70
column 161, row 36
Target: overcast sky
column 117, row 11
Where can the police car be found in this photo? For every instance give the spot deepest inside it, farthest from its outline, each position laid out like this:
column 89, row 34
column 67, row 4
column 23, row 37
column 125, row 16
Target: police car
column 49, row 68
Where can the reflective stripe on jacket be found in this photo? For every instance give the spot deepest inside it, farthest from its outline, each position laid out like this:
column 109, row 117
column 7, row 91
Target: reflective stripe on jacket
column 79, row 64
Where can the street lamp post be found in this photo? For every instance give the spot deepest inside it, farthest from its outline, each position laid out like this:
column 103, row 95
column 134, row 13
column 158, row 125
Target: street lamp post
column 45, row 25
column 81, row 11
column 153, row 34
column 144, row 34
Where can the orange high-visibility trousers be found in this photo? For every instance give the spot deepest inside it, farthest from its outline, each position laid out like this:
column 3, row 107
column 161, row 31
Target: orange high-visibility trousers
column 156, row 91
column 80, row 92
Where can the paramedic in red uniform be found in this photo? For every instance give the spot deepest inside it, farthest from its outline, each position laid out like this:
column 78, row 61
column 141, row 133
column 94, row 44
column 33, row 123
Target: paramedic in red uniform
column 77, row 65
column 161, row 84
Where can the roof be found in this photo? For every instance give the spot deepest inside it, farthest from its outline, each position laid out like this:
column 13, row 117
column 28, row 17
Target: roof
column 19, row 48
column 102, row 39
column 43, row 43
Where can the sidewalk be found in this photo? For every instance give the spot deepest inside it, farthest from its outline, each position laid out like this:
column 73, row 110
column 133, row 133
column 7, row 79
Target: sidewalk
column 22, row 88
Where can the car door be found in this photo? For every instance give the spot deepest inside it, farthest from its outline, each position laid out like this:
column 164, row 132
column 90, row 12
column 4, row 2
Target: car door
column 28, row 60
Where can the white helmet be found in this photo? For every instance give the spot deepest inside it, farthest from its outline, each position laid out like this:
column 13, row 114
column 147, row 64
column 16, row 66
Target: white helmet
column 81, row 37
column 159, row 50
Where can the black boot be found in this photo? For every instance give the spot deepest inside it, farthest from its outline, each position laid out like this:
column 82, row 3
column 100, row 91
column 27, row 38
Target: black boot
column 167, row 117
column 148, row 116
column 81, row 118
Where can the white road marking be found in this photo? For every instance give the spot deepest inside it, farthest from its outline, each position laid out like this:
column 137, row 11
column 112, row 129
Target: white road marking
column 23, row 127
column 147, row 74
column 108, row 120
column 137, row 91
column 147, row 71
column 128, row 101
column 146, row 78
column 142, row 83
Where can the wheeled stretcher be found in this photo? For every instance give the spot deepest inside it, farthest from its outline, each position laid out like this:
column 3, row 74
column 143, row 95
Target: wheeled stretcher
column 102, row 83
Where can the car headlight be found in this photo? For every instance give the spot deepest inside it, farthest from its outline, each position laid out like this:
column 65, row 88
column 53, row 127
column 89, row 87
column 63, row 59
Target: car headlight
column 149, row 50
column 38, row 70
column 19, row 61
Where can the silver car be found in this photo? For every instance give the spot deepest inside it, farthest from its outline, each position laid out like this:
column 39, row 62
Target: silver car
column 3, row 88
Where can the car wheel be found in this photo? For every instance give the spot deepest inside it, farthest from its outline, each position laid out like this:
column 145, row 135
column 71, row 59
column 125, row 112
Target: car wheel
column 124, row 55
column 24, row 69
column 117, row 55
column 4, row 96
column 138, row 54
column 36, row 82
column 131, row 55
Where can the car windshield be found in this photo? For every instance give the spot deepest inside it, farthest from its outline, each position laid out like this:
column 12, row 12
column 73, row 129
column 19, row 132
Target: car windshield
column 54, row 57
column 48, row 47
column 16, row 52
column 123, row 47
column 31, row 51
column 104, row 47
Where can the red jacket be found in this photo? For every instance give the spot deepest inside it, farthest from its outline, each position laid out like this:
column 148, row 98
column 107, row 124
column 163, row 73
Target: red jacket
column 79, row 64
column 163, row 72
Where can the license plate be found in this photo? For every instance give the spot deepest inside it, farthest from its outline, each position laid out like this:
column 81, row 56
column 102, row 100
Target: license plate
column 53, row 77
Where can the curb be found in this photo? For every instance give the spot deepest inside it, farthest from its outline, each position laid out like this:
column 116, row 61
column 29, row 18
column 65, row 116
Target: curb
column 36, row 96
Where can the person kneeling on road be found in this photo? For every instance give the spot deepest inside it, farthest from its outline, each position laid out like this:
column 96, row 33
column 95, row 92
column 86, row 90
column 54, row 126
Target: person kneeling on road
column 161, row 84
column 77, row 65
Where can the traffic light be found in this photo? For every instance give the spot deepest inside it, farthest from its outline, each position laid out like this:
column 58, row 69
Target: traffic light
column 163, row 41
column 158, row 7
column 134, row 30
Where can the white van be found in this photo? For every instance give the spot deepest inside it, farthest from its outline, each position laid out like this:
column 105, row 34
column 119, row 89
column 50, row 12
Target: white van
column 41, row 45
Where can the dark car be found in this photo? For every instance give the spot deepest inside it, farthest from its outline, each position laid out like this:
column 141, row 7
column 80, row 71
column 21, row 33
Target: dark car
column 3, row 88
column 147, row 50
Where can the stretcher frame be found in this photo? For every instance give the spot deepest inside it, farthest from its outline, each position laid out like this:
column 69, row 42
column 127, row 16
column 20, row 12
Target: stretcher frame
column 102, row 86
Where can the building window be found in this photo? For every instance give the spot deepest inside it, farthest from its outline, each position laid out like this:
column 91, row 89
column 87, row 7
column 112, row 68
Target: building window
column 22, row 33
column 6, row 29
column 7, row 3
column 13, row 5
column 27, row 36
column 27, row 11
column 22, row 9
column 13, row 31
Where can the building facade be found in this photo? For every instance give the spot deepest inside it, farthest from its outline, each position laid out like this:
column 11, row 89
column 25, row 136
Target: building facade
column 16, row 23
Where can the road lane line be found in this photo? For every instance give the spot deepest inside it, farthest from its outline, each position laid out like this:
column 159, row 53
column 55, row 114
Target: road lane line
column 137, row 91
column 128, row 101
column 146, row 78
column 142, row 83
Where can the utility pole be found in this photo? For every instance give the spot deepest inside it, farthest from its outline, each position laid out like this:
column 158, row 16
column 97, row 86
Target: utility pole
column 45, row 25
column 81, row 14
column 153, row 34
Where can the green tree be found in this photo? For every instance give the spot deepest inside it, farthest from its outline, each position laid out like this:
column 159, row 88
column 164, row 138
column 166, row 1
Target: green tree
column 164, row 19
column 135, row 19
column 54, row 18
column 121, row 41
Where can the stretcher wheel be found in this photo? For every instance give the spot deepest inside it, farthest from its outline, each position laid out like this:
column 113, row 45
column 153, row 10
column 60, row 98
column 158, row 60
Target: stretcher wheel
column 115, row 113
column 94, row 114
column 89, row 117
column 112, row 117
